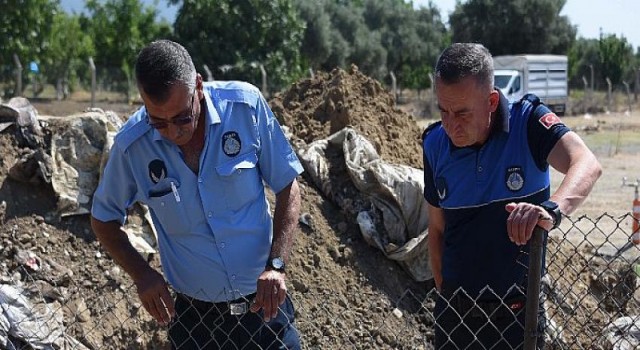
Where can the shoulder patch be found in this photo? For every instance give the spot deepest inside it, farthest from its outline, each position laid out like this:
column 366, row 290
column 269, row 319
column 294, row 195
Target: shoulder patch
column 429, row 128
column 548, row 120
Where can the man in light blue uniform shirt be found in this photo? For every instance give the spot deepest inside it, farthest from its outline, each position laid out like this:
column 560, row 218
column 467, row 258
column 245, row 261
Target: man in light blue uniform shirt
column 197, row 154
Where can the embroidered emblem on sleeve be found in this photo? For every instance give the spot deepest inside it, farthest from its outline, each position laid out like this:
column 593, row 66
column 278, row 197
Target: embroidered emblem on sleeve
column 548, row 120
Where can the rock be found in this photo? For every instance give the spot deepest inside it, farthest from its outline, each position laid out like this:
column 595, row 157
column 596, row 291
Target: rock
column 397, row 313
column 78, row 309
column 306, row 219
column 299, row 286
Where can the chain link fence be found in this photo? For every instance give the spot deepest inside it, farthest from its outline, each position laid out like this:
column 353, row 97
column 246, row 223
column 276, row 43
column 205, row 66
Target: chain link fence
column 589, row 300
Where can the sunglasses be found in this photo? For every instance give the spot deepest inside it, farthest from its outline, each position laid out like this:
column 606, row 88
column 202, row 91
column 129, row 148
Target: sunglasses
column 183, row 118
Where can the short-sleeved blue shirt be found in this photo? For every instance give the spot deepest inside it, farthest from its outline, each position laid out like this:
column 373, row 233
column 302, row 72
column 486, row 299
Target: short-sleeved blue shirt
column 472, row 185
column 214, row 228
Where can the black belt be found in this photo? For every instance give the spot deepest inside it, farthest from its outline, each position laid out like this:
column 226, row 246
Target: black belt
column 489, row 309
column 238, row 306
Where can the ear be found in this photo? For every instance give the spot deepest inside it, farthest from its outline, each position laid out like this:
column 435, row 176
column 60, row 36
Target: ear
column 494, row 100
column 199, row 86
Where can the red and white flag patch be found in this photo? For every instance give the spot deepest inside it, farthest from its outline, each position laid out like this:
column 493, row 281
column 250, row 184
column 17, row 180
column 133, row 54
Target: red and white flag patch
column 548, row 120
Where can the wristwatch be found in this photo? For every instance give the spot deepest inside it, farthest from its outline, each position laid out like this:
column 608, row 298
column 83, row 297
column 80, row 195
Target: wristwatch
column 276, row 264
column 552, row 208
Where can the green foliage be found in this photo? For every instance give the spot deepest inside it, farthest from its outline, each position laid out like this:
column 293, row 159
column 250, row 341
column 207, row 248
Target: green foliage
column 233, row 37
column 514, row 27
column 120, row 28
column 616, row 58
column 379, row 36
column 25, row 32
column 609, row 57
column 69, row 48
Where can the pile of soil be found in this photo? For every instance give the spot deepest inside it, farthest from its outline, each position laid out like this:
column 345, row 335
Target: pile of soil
column 316, row 108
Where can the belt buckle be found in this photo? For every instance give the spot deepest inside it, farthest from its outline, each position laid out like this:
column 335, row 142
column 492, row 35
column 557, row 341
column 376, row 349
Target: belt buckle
column 238, row 309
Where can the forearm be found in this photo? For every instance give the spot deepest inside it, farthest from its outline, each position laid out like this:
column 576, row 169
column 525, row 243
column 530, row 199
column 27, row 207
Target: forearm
column 116, row 243
column 435, row 244
column 577, row 183
column 285, row 220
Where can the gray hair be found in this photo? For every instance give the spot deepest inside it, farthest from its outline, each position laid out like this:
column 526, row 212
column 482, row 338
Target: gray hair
column 461, row 60
column 161, row 65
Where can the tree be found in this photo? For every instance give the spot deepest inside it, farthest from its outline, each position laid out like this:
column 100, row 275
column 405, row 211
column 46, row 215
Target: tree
column 69, row 48
column 25, row 31
column 233, row 37
column 514, row 27
column 583, row 56
column 318, row 38
column 379, row 36
column 120, row 29
column 616, row 58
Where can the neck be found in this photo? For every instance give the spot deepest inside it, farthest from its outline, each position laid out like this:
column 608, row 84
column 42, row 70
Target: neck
column 197, row 140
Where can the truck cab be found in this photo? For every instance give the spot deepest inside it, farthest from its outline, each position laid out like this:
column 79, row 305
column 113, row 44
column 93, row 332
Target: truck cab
column 510, row 83
column 542, row 75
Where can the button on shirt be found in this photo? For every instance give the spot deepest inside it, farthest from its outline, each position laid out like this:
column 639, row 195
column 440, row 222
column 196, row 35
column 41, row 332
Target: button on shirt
column 214, row 228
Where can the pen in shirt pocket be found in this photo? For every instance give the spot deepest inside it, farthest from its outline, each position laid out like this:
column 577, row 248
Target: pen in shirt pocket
column 174, row 189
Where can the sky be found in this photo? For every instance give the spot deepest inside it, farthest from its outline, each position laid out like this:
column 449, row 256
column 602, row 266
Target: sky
column 590, row 16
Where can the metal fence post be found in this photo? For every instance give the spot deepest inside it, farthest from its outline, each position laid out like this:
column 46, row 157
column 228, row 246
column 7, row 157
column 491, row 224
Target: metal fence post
column 626, row 86
column 264, row 80
column 394, row 87
column 93, row 82
column 609, row 97
column 207, row 71
column 18, row 91
column 533, row 289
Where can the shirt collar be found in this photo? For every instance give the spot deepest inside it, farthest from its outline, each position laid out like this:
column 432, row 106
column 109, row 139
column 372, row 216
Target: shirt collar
column 502, row 112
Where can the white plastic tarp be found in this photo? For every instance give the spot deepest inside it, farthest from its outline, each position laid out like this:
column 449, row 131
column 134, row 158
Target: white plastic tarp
column 395, row 193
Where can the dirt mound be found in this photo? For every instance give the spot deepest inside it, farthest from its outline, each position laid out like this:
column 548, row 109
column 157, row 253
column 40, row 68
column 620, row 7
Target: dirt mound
column 316, row 108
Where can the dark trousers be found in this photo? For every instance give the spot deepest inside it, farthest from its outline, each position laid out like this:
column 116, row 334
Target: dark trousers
column 462, row 323
column 203, row 325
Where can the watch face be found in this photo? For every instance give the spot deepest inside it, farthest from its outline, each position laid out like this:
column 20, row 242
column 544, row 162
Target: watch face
column 277, row 263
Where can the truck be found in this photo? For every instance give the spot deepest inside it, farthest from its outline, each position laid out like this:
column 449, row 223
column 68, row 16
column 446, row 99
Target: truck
column 543, row 75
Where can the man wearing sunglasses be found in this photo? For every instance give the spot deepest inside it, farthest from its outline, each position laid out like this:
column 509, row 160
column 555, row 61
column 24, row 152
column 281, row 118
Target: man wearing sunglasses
column 197, row 154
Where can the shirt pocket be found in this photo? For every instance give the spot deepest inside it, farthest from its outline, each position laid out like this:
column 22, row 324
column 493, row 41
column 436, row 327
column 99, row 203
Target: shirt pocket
column 167, row 203
column 241, row 180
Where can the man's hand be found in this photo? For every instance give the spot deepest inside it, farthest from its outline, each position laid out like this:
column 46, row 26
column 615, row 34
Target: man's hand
column 155, row 297
column 523, row 218
column 271, row 293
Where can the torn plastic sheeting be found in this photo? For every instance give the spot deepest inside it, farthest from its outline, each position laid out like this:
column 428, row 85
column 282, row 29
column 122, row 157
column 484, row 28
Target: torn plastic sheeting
column 623, row 333
column 395, row 193
column 19, row 319
column 20, row 111
column 77, row 145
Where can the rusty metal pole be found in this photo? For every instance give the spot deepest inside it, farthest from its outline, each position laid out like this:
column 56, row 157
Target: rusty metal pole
column 533, row 289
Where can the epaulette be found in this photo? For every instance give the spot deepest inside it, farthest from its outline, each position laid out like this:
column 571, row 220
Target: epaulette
column 133, row 129
column 429, row 128
column 535, row 102
column 236, row 91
